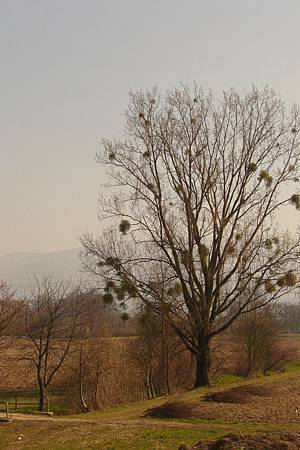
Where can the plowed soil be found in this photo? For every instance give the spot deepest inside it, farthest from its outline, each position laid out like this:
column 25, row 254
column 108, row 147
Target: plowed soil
column 277, row 402
column 274, row 402
column 272, row 441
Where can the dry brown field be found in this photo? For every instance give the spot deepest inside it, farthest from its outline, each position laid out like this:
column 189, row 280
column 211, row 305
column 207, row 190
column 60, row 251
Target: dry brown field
column 17, row 373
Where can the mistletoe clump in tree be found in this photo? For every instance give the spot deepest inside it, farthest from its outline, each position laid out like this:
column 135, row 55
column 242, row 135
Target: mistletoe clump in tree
column 196, row 188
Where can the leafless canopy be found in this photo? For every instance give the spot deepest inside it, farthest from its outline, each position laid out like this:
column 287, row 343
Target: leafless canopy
column 196, row 186
column 53, row 313
column 10, row 309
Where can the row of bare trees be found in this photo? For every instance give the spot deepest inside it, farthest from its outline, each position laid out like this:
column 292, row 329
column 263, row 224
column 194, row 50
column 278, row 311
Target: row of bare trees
column 62, row 334
column 49, row 319
column 63, row 331
column 195, row 188
column 65, row 340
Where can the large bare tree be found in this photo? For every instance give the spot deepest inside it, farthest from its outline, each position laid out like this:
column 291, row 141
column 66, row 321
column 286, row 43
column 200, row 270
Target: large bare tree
column 195, row 188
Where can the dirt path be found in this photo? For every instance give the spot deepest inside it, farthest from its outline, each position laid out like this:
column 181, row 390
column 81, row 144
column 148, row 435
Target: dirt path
column 107, row 422
column 45, row 417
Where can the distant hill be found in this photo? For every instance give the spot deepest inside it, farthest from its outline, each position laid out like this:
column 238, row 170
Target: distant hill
column 19, row 269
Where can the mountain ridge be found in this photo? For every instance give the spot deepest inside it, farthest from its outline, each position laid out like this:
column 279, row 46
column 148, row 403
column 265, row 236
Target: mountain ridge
column 20, row 268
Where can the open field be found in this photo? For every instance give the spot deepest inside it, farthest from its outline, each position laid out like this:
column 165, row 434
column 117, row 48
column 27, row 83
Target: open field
column 16, row 373
column 131, row 427
column 232, row 405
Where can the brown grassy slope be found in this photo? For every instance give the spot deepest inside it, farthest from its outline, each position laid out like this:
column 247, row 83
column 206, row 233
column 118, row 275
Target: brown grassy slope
column 126, row 427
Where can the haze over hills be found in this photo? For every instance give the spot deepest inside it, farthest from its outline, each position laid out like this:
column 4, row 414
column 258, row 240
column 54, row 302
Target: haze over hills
column 19, row 269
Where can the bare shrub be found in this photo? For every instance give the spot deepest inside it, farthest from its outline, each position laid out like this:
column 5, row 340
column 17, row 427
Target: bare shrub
column 152, row 353
column 257, row 343
column 103, row 370
column 10, row 314
column 290, row 317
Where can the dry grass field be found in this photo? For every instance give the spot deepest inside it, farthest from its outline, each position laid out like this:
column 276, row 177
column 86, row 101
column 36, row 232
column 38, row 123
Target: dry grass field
column 19, row 374
column 232, row 405
column 139, row 426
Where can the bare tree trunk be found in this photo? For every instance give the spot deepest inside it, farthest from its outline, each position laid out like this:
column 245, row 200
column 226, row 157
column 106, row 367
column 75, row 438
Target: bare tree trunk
column 148, row 387
column 84, row 406
column 96, row 390
column 42, row 394
column 167, row 375
column 151, row 384
column 202, row 363
column 96, row 402
column 251, row 360
column 165, row 356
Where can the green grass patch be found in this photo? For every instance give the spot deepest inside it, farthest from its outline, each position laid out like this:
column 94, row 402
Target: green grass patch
column 27, row 400
column 19, row 392
column 144, row 435
column 227, row 378
column 293, row 366
column 125, row 427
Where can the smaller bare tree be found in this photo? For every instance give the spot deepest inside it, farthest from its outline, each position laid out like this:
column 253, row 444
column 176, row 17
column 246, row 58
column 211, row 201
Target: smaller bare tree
column 290, row 317
column 153, row 351
column 52, row 317
column 257, row 342
column 89, row 352
column 10, row 313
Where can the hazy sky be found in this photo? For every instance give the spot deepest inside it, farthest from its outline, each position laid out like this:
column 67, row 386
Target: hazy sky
column 67, row 67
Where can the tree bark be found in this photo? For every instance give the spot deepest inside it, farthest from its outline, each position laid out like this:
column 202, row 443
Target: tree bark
column 202, row 363
column 149, row 394
column 42, row 397
column 167, row 376
column 84, row 407
column 151, row 384
column 96, row 390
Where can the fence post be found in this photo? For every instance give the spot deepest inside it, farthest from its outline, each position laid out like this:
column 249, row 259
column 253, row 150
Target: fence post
column 6, row 411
